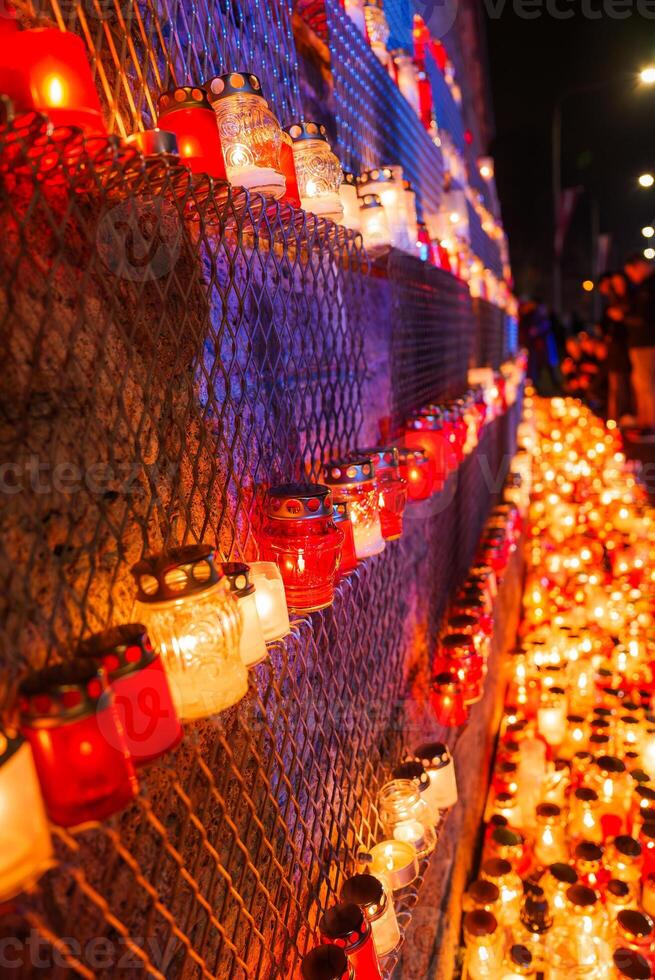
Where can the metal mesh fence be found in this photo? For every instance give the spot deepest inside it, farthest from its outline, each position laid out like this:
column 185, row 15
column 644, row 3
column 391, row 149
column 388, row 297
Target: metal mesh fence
column 170, row 346
column 490, row 341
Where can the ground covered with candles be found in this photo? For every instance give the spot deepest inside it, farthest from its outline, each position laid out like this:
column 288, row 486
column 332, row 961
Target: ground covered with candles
column 566, row 882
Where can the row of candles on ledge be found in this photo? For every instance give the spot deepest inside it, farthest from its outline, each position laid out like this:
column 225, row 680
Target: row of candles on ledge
column 88, row 725
column 567, row 879
column 225, row 128
column 362, row 928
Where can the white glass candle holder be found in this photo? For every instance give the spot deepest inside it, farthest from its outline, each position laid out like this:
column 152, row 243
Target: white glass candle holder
column 377, row 29
column 317, row 169
column 252, row 646
column 25, row 846
column 369, row 892
column 251, row 136
column 270, row 599
column 194, row 622
column 440, row 767
column 375, row 227
column 349, row 198
column 353, row 481
column 407, row 75
column 386, row 183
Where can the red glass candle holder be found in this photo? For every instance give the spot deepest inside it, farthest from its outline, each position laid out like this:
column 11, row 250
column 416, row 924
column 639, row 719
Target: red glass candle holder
column 353, row 481
column 456, row 427
column 346, row 926
column 447, row 700
column 326, row 963
column 418, row 470
column 428, row 432
column 288, row 167
column 392, row 489
column 187, row 112
column 141, row 692
column 458, row 656
column 69, row 718
column 472, row 602
column 341, row 517
column 300, row 536
column 47, row 70
column 495, row 549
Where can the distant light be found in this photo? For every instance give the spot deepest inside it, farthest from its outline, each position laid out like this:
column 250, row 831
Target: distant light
column 588, row 286
column 485, row 171
column 649, row 253
column 646, row 180
column 647, row 75
column 454, row 217
column 648, row 231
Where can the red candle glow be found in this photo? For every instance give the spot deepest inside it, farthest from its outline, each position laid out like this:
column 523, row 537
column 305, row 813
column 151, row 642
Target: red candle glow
column 69, row 718
column 418, row 470
column 345, row 925
column 447, row 701
column 392, row 489
column 47, row 70
column 141, row 692
column 187, row 112
column 341, row 516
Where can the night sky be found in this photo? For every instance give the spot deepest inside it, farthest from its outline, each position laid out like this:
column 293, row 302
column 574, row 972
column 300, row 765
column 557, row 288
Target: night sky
column 608, row 136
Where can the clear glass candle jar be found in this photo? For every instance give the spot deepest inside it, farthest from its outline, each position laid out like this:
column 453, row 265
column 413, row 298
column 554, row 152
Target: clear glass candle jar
column 648, row 895
column 536, row 921
column 353, row 481
column 556, row 881
column 642, row 808
column 318, row 170
column 387, row 184
column 550, row 839
column 251, row 136
column 584, row 815
column 341, row 517
column 406, row 816
column 68, row 715
column 395, row 862
column 25, row 845
column 427, row 430
column 439, row 764
column 611, row 780
column 417, row 469
column 457, row 655
column 484, row 945
column 194, row 621
column 551, row 718
column 619, row 895
column 500, row 872
column 142, row 694
column 585, row 912
column 634, row 930
column 369, row 893
column 518, row 963
column 416, row 774
column 374, row 225
column 346, row 926
column 349, row 198
column 187, row 112
column 588, row 861
column 300, row 536
column 392, row 489
column 447, row 700
column 482, row 894
column 327, row 962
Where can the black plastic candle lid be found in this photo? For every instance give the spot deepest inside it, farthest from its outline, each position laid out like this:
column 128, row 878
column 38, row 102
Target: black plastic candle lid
column 325, row 963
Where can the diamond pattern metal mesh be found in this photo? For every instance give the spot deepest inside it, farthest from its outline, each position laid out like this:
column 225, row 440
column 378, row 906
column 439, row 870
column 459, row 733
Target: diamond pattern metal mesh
column 169, row 347
column 492, row 338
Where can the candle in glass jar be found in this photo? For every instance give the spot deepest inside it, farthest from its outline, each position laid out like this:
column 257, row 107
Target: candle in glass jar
column 415, row 772
column 186, row 112
column 550, row 842
column 406, row 816
column 368, row 891
column 347, row 926
column 317, row 168
column 252, row 645
column 395, row 861
column 350, row 202
column 440, row 767
column 327, row 962
column 25, row 846
column 353, row 481
column 392, row 488
column 271, row 599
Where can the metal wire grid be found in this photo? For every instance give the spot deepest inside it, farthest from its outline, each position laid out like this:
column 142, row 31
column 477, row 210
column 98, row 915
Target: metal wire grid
column 375, row 124
column 491, row 339
column 140, row 48
column 433, row 334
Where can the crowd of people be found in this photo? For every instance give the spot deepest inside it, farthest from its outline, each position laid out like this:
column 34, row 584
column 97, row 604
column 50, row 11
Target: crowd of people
column 610, row 365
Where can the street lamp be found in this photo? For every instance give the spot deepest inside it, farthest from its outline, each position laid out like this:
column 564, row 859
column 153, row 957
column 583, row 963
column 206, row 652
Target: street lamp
column 646, row 180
